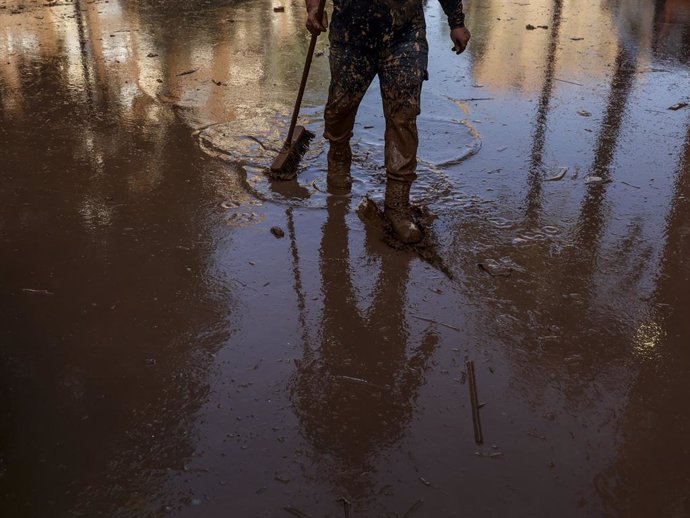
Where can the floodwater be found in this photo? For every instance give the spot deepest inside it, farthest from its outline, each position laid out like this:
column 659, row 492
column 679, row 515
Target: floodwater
column 162, row 353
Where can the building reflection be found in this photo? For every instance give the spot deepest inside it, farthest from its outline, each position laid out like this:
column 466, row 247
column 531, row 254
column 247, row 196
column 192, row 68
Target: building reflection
column 539, row 136
column 354, row 392
column 101, row 209
column 649, row 475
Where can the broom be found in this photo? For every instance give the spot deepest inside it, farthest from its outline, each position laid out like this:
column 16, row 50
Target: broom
column 285, row 165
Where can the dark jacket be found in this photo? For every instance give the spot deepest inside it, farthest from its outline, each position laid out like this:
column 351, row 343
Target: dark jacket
column 354, row 19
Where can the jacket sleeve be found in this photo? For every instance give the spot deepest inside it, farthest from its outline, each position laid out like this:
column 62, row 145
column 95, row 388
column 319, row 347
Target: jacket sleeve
column 453, row 9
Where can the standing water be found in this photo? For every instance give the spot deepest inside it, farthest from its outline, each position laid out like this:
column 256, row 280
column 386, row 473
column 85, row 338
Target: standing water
column 162, row 353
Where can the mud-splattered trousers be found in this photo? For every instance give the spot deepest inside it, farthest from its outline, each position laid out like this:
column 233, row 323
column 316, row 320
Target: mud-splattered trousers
column 388, row 38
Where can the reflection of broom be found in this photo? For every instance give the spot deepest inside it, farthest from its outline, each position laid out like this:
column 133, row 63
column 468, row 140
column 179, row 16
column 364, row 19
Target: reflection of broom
column 285, row 165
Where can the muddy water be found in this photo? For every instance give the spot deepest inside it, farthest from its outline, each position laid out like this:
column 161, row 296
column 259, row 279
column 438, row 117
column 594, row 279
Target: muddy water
column 163, row 354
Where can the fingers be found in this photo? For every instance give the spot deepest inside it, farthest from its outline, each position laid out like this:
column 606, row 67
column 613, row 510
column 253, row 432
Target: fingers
column 317, row 27
column 459, row 47
column 460, row 37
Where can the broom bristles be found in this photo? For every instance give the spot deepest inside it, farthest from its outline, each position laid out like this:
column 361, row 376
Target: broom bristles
column 288, row 166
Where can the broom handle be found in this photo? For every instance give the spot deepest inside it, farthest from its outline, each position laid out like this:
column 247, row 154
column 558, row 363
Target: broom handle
column 305, row 76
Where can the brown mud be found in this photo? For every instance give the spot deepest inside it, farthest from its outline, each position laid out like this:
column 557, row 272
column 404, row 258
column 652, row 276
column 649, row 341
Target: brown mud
column 164, row 352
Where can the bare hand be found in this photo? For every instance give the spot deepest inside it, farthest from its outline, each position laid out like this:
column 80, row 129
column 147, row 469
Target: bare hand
column 461, row 37
column 315, row 26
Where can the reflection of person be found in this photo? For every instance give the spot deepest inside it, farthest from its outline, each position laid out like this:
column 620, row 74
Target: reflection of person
column 354, row 394
column 388, row 38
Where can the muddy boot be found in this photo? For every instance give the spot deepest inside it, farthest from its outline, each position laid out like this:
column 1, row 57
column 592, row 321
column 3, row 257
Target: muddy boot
column 398, row 212
column 339, row 162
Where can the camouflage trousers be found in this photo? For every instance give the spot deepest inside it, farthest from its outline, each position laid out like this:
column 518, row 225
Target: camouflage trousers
column 400, row 60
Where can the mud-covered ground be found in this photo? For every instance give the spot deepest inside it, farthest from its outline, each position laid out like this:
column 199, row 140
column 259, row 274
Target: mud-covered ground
column 162, row 353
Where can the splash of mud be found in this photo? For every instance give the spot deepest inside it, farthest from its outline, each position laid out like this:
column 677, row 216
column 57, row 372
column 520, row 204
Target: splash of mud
column 372, row 216
column 250, row 144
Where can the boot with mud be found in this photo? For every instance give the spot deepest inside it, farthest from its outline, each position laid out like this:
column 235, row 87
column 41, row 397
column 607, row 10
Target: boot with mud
column 339, row 162
column 398, row 212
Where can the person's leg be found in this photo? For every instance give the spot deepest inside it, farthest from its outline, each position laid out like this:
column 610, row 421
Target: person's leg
column 403, row 69
column 352, row 70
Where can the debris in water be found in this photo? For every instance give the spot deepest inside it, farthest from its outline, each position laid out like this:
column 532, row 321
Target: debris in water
column 631, row 185
column 187, row 72
column 530, row 27
column 415, row 507
column 278, row 232
column 425, row 481
column 569, row 82
column 347, row 505
column 558, row 176
column 37, row 292
column 279, row 9
column 296, row 512
column 489, row 455
column 498, row 273
column 435, row 322
column 677, row 106
column 537, row 435
column 584, row 113
column 151, row 55
column 594, row 179
column 281, row 478
column 474, row 400
column 577, row 39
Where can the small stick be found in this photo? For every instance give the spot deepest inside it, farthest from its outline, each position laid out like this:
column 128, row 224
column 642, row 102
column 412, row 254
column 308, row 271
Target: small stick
column 569, row 82
column 37, row 292
column 438, row 323
column 347, row 505
column 631, row 185
column 479, row 439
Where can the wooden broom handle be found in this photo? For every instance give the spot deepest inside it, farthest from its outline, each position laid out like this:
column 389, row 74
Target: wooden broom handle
column 305, row 76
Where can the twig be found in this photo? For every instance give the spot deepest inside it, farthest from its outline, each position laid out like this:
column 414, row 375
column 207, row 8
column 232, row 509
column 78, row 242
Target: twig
column 37, row 292
column 479, row 439
column 295, row 512
column 437, row 323
column 476, row 99
column 558, row 176
column 412, row 509
column 347, row 505
column 569, row 82
column 631, row 185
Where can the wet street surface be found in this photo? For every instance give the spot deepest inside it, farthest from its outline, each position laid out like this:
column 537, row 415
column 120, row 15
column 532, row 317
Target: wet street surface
column 163, row 353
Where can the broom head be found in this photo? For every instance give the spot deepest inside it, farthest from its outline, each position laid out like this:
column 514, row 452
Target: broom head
column 285, row 165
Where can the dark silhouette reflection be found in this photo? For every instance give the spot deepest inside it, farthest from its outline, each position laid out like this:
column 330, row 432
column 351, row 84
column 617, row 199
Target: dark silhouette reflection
column 539, row 136
column 650, row 476
column 354, row 393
